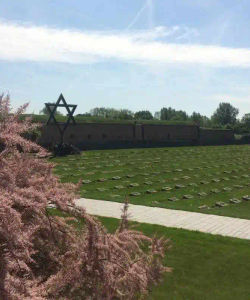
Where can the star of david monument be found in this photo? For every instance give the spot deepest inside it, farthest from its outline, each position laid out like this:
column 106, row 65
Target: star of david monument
column 61, row 126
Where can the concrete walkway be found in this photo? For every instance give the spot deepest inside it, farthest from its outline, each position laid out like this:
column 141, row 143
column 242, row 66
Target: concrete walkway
column 232, row 227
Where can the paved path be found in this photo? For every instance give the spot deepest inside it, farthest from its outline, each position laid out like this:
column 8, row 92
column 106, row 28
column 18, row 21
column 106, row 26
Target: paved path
column 213, row 224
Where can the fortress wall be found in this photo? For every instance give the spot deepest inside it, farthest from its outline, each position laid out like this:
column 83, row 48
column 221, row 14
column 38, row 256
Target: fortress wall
column 49, row 135
column 172, row 133
column 99, row 133
column 91, row 135
column 216, row 136
column 139, row 132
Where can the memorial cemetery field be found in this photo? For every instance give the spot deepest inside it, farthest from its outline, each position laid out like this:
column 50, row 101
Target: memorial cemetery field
column 207, row 179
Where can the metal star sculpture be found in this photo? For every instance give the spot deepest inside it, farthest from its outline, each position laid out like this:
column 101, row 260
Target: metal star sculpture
column 52, row 107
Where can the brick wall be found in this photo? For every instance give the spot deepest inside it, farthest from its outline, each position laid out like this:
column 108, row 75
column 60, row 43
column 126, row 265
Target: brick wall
column 169, row 133
column 89, row 135
column 216, row 136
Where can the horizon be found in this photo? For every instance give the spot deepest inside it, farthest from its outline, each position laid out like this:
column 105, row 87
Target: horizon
column 138, row 55
column 76, row 113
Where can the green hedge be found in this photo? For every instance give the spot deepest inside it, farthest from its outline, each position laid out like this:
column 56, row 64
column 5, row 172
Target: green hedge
column 81, row 119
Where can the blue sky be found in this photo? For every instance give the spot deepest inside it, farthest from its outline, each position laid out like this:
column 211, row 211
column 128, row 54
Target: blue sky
column 135, row 54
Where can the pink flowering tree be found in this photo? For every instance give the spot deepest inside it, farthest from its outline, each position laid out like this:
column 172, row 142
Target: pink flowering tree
column 48, row 257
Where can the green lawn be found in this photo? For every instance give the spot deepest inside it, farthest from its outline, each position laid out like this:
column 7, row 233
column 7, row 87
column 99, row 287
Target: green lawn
column 204, row 266
column 205, row 175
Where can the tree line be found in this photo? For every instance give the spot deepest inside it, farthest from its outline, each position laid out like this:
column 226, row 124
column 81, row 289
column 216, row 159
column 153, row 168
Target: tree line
column 225, row 116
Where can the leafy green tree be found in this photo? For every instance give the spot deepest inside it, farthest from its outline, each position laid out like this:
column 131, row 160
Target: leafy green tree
column 180, row 115
column 111, row 113
column 200, row 120
column 197, row 118
column 157, row 115
column 246, row 121
column 225, row 114
column 143, row 115
column 206, row 122
column 45, row 111
column 167, row 113
column 125, row 114
column 172, row 114
column 98, row 112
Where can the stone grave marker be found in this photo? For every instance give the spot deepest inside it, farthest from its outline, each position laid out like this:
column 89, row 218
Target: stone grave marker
column 202, row 194
column 204, row 182
column 234, row 201
column 187, row 196
column 135, row 194
column 166, row 188
column 227, row 189
column 130, row 175
column 156, row 173
column 216, row 180
column 179, row 186
column 173, row 199
column 238, row 186
column 101, row 189
column 203, row 207
column 116, row 178
column 90, row 173
column 102, row 179
column 86, row 181
column 244, row 176
column 119, row 187
column 133, row 184
column 151, row 191
column 221, row 204
column 215, row 191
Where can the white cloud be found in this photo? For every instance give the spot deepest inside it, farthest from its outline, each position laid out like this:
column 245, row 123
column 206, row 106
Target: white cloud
column 31, row 43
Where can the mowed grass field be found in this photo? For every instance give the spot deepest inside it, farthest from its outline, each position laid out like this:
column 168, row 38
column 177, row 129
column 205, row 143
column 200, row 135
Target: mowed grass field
column 204, row 266
column 207, row 179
